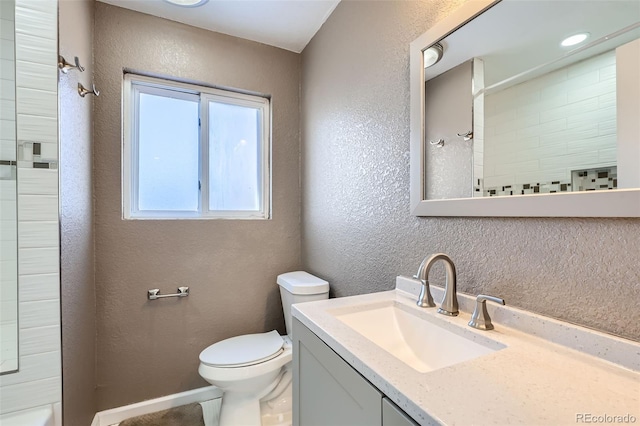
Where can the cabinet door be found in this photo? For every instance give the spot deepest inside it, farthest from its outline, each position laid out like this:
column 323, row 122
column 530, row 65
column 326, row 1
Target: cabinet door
column 326, row 390
column 394, row 416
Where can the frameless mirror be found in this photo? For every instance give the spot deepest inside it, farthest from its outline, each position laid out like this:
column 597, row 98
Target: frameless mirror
column 509, row 107
column 8, row 190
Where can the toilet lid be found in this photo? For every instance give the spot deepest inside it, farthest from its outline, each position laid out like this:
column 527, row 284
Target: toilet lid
column 243, row 350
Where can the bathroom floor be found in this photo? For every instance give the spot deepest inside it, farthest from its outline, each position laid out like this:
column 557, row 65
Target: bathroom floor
column 192, row 415
column 186, row 415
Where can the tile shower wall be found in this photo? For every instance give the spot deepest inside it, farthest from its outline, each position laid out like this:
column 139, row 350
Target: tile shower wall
column 8, row 229
column 539, row 131
column 38, row 382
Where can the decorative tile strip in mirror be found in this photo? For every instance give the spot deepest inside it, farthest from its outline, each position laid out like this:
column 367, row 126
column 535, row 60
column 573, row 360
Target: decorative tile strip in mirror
column 581, row 180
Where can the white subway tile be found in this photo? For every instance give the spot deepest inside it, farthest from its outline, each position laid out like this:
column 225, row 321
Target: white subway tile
column 37, row 49
column 592, row 90
column 607, row 72
column 8, row 190
column 7, row 109
column 584, row 131
column 545, row 103
column 7, row 148
column 591, row 144
column 543, row 128
column 517, row 167
column 35, row 18
column 498, row 180
column 7, row 8
column 569, row 110
column 608, row 156
column 8, row 244
column 39, row 287
column 30, row 394
column 7, row 70
column 7, row 26
column 9, row 289
column 8, row 89
column 8, row 311
column 36, row 102
column 6, row 47
column 38, row 234
column 607, row 100
column 37, row 207
column 583, row 80
column 38, row 181
column 8, row 271
column 601, row 114
column 542, row 176
column 34, row 367
column 593, row 63
column 39, row 314
column 38, row 261
column 36, row 76
column 8, row 212
column 8, row 130
column 607, row 127
column 37, row 129
column 40, row 339
column 571, row 161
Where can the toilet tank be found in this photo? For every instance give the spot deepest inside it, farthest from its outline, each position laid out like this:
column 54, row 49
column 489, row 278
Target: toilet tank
column 298, row 287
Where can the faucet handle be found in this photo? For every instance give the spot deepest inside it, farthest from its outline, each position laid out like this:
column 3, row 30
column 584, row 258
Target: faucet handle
column 480, row 318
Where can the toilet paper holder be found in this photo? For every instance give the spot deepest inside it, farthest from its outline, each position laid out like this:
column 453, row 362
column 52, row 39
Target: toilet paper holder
column 154, row 293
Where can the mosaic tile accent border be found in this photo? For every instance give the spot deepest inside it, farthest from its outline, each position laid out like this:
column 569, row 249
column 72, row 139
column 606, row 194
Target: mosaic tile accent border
column 600, row 178
column 30, row 156
column 8, row 170
column 595, row 179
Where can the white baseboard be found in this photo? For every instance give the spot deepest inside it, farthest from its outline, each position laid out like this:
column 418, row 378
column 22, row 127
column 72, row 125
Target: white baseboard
column 116, row 415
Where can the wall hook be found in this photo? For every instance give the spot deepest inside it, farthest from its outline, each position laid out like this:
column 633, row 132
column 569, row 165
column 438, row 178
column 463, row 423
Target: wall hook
column 439, row 143
column 66, row 66
column 82, row 91
column 466, row 136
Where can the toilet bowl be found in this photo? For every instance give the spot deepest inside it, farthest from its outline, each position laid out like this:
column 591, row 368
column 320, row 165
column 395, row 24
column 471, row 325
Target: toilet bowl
column 255, row 368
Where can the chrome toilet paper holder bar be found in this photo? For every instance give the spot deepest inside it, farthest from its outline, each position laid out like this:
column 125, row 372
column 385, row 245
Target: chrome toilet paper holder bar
column 154, row 293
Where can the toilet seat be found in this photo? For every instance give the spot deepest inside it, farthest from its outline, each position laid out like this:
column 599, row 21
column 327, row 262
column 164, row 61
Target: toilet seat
column 243, row 351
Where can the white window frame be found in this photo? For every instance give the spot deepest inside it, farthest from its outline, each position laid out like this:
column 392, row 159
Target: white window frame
column 133, row 85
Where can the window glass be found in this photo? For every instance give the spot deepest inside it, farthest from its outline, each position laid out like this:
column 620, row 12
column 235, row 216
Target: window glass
column 234, row 157
column 168, row 152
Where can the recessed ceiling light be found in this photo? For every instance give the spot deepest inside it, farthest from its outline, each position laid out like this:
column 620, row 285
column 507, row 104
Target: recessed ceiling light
column 432, row 55
column 187, row 3
column 574, row 39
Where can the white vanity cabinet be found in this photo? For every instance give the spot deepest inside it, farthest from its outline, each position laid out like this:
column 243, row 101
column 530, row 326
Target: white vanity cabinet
column 328, row 391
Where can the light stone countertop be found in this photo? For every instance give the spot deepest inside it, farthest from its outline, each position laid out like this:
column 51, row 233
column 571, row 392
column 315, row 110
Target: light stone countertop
column 542, row 377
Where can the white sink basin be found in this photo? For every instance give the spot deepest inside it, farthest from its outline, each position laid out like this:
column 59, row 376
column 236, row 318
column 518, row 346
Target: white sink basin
column 422, row 341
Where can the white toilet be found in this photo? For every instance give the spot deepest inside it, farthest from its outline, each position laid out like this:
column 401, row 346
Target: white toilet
column 256, row 368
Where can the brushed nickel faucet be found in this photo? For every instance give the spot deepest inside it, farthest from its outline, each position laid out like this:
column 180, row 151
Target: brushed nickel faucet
column 449, row 305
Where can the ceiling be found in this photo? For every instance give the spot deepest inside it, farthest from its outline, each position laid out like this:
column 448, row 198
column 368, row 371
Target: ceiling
column 517, row 36
column 287, row 24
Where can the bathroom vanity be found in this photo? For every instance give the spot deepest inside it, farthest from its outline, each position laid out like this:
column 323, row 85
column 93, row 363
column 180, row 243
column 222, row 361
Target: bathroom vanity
column 330, row 391
column 370, row 360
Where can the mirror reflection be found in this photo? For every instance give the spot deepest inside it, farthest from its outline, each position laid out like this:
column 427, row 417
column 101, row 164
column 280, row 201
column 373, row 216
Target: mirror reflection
column 8, row 207
column 534, row 97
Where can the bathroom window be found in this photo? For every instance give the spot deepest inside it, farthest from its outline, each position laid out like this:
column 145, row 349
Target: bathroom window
column 192, row 152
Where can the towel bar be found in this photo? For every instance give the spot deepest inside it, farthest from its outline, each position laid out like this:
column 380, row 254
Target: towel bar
column 154, row 294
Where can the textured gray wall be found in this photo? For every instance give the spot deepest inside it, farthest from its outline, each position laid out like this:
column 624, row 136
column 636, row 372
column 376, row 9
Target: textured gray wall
column 76, row 219
column 147, row 349
column 357, row 228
